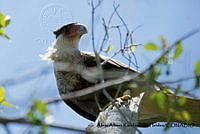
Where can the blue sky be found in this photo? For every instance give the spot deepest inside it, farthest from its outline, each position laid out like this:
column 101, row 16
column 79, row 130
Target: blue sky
column 30, row 32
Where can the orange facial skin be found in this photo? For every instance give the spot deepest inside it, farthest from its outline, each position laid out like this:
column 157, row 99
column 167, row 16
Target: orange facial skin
column 73, row 31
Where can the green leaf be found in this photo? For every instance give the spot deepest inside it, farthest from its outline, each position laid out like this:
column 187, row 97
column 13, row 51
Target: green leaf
column 197, row 73
column 31, row 116
column 109, row 48
column 2, row 94
column 164, row 60
column 132, row 47
column 5, row 103
column 150, row 46
column 153, row 96
column 186, row 115
column 44, row 129
column 41, row 107
column 1, row 20
column 4, row 20
column 2, row 98
column 181, row 101
column 2, row 34
column 178, row 50
column 7, row 21
column 1, row 31
column 160, row 98
column 197, row 67
column 37, row 112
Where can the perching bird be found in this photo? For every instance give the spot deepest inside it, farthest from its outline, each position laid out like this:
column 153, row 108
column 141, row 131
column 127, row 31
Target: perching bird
column 75, row 70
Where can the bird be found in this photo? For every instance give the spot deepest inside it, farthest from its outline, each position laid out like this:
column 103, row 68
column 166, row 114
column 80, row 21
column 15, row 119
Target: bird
column 75, row 70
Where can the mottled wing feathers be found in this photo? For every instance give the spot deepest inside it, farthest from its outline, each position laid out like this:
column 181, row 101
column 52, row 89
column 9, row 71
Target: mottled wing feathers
column 90, row 61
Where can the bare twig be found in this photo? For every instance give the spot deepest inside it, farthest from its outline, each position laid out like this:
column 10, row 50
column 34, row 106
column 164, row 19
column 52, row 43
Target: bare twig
column 94, row 7
column 182, row 92
column 106, row 35
column 27, row 77
column 94, row 49
column 128, row 36
column 179, row 80
column 95, row 88
column 120, row 50
column 23, row 121
column 120, row 36
column 106, row 27
column 97, row 102
column 122, row 20
column 7, row 129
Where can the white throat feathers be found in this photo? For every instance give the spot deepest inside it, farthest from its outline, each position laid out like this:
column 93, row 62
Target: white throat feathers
column 62, row 48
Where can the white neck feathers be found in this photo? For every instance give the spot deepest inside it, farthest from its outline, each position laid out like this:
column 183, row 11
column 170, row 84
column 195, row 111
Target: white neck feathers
column 63, row 41
column 61, row 48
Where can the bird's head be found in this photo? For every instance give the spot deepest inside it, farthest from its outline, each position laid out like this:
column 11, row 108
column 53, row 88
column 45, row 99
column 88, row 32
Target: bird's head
column 70, row 34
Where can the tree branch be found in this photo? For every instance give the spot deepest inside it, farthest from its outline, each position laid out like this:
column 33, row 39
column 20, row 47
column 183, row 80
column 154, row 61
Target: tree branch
column 23, row 121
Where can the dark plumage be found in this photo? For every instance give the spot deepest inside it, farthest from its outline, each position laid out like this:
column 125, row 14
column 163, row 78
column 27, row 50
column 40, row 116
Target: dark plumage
column 86, row 106
column 75, row 70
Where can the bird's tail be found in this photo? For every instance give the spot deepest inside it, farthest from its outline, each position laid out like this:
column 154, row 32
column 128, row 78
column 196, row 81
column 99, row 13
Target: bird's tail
column 178, row 109
column 192, row 108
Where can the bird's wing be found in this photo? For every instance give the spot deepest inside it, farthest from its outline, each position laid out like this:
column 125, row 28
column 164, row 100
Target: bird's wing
column 109, row 64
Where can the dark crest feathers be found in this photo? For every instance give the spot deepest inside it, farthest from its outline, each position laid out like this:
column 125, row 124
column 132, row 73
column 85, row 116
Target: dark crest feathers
column 63, row 29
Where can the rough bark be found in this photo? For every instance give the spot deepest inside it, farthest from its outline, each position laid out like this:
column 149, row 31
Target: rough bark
column 119, row 118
